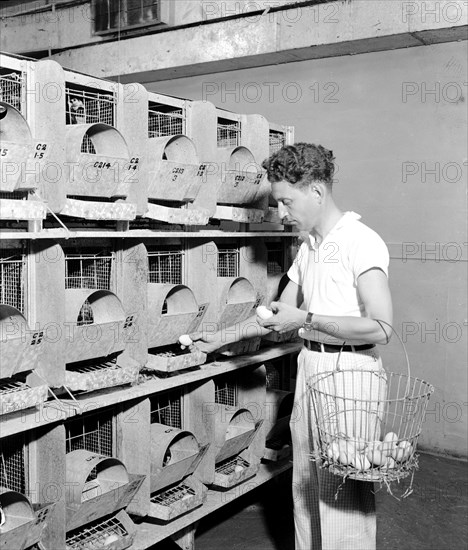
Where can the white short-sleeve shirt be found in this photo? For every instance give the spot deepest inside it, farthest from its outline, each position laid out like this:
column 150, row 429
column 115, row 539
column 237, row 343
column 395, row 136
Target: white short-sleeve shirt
column 328, row 273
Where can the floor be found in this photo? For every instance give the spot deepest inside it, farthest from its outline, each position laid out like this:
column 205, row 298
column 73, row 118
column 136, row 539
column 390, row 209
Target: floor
column 433, row 517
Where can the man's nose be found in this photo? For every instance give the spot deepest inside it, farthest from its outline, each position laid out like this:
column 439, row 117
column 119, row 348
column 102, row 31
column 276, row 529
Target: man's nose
column 282, row 210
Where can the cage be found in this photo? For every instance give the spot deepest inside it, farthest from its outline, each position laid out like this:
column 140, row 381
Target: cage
column 114, row 533
column 89, row 104
column 228, row 260
column 165, row 264
column 237, row 301
column 13, row 81
column 89, row 268
column 175, row 179
column 241, row 178
column 13, row 278
column 228, row 129
column 20, row 346
column 279, row 407
column 175, row 455
column 99, row 486
column 235, row 428
column 101, row 161
column 14, row 461
column 166, row 116
column 236, row 298
column 279, row 136
column 167, row 408
column 172, row 311
column 20, row 162
column 16, row 147
column 98, row 330
column 22, row 523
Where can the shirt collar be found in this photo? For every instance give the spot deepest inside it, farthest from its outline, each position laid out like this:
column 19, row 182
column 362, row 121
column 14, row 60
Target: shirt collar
column 345, row 219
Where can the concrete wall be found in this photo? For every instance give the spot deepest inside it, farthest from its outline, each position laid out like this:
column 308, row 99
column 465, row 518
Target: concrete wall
column 396, row 122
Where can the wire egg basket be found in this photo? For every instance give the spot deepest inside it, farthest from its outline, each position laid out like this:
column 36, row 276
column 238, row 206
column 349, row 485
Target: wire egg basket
column 367, row 422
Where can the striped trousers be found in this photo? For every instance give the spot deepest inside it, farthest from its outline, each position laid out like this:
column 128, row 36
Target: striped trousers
column 323, row 522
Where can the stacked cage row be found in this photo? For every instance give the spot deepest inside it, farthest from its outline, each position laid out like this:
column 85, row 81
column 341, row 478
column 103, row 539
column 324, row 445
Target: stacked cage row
column 79, row 484
column 91, row 149
column 91, row 314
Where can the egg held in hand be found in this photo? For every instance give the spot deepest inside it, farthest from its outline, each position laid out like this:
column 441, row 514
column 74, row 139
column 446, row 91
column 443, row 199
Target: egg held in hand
column 185, row 340
column 264, row 313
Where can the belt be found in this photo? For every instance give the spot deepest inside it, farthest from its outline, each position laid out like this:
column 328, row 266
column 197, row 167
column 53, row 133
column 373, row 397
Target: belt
column 332, row 348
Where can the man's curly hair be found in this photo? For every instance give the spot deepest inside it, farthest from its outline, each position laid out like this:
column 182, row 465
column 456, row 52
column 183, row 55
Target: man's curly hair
column 301, row 163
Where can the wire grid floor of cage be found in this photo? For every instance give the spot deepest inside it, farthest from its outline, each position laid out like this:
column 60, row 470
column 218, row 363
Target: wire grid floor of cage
column 228, row 262
column 228, row 133
column 12, row 279
column 226, row 393
column 91, row 270
column 173, row 494
column 167, row 410
column 12, row 89
column 231, row 465
column 89, row 106
column 165, row 267
column 165, row 123
column 13, row 464
column 9, row 386
column 96, row 536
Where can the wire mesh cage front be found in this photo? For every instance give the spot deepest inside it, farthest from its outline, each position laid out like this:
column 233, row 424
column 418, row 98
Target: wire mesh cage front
column 165, row 120
column 368, row 422
column 12, row 89
column 13, row 463
column 274, row 376
column 226, row 392
column 275, row 258
column 96, row 535
column 228, row 132
column 89, row 269
column 166, row 408
column 228, row 261
column 231, row 465
column 87, row 105
column 92, row 433
column 12, row 278
column 165, row 266
column 277, row 140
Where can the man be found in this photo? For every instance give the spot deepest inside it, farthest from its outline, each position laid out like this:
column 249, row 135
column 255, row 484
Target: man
column 338, row 296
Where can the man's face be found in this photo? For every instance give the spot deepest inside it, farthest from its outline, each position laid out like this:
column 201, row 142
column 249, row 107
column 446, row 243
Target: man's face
column 297, row 204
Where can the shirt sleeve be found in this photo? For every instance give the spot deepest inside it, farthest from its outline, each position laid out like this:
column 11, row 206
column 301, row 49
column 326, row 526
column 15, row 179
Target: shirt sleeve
column 297, row 270
column 369, row 251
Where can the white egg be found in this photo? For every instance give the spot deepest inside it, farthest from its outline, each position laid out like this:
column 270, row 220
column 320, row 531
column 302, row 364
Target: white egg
column 343, row 458
column 376, row 457
column 360, row 462
column 264, row 313
column 390, row 464
column 391, row 436
column 400, row 454
column 238, row 468
column 185, row 340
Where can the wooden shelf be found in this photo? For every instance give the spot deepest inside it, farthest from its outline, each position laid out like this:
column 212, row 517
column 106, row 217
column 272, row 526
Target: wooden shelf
column 58, row 411
column 149, row 533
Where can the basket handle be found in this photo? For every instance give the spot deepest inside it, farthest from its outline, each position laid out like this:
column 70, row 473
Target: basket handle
column 380, row 321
